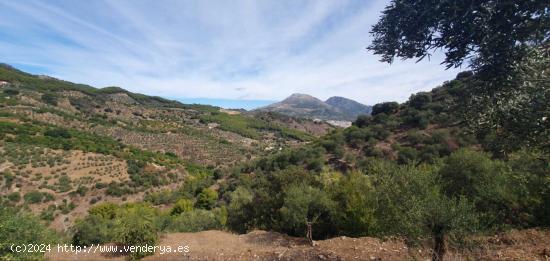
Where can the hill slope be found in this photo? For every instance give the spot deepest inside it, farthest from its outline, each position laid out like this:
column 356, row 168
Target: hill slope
column 200, row 133
column 66, row 146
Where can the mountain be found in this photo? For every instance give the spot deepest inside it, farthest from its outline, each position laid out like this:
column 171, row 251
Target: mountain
column 348, row 106
column 307, row 106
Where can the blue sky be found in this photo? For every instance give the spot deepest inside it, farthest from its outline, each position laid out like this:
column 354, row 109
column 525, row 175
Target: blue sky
column 229, row 52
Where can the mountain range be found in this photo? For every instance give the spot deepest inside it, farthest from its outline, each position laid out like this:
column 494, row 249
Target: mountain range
column 306, row 106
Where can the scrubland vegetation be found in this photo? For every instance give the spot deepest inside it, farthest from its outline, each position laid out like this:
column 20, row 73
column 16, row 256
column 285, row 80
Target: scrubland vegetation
column 470, row 157
column 414, row 170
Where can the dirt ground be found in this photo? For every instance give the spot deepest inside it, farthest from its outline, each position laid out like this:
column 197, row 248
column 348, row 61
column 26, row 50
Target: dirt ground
column 529, row 244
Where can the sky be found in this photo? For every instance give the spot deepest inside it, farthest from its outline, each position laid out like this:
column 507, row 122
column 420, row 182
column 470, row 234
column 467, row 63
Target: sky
column 237, row 53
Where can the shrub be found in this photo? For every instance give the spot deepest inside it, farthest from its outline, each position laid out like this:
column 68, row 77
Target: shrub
column 473, row 175
column 81, row 190
column 14, row 197
column 355, row 203
column 48, row 213
column 136, row 227
column 356, row 137
column 380, row 132
column 64, row 184
column 93, row 229
column 33, row 197
column 406, row 155
column 49, row 98
column 430, row 153
column 48, row 197
column 129, row 224
column 420, row 100
column 182, row 205
column 11, row 92
column 207, row 199
column 104, row 210
column 385, row 107
column 20, row 228
column 362, row 121
column 160, row 197
column 198, row 220
column 117, row 189
column 8, row 179
column 530, row 205
column 240, row 209
column 58, row 133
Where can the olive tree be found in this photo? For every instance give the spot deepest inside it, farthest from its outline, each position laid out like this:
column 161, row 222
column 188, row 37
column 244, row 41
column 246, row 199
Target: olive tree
column 506, row 44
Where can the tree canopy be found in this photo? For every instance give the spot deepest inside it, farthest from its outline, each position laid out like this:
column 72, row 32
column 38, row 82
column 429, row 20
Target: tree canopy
column 487, row 33
column 505, row 43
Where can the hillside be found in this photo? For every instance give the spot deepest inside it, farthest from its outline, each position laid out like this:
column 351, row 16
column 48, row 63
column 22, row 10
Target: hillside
column 199, row 133
column 66, row 146
column 309, row 107
column 92, row 166
column 458, row 171
column 415, row 169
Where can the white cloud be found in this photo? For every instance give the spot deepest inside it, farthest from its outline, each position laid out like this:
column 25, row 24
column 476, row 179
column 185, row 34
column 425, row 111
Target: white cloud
column 214, row 49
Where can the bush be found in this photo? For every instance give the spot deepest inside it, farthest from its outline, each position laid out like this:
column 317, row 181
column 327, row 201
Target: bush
column 33, row 197
column 104, row 210
column 530, row 184
column 160, row 197
column 355, row 200
column 136, row 227
column 406, row 155
column 14, row 197
column 48, row 213
column 93, row 229
column 182, row 205
column 48, row 197
column 416, row 118
column 82, row 190
column 356, row 137
column 473, row 175
column 420, row 100
column 239, row 209
column 385, row 107
column 198, row 220
column 49, row 98
column 8, row 179
column 20, row 228
column 380, row 132
column 207, row 199
column 11, row 92
column 64, row 184
column 58, row 133
column 129, row 225
column 362, row 121
column 117, row 189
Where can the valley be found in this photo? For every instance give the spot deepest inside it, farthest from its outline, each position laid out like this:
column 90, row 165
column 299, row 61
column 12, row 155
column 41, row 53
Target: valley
column 443, row 152
column 85, row 160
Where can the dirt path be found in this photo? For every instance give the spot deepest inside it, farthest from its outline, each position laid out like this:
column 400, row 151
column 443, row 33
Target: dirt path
column 261, row 245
